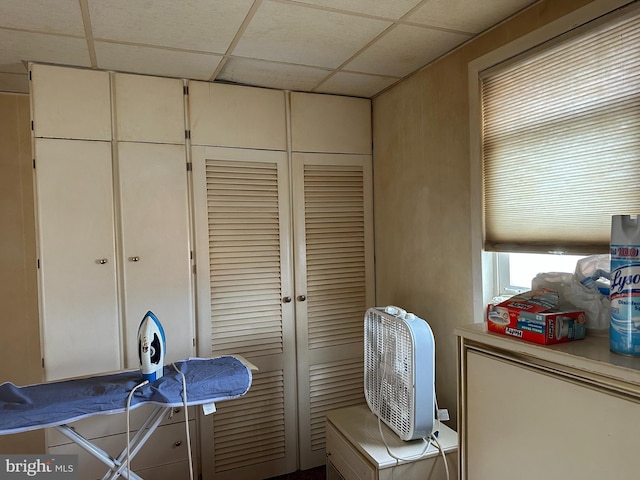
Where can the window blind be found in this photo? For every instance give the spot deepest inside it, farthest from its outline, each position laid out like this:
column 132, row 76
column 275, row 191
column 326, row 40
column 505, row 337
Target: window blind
column 561, row 142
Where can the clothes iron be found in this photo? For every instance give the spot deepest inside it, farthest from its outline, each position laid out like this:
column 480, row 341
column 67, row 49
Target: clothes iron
column 152, row 347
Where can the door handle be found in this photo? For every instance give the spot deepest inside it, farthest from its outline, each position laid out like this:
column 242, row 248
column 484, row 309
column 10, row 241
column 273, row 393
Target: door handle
column 286, row 299
column 301, row 298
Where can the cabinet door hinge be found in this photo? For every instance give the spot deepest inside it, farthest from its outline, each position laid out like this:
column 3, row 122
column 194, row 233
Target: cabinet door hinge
column 189, row 166
column 185, row 89
column 29, row 75
column 194, row 270
column 187, row 134
column 42, row 362
column 191, row 254
column 32, row 125
column 38, row 263
column 34, row 163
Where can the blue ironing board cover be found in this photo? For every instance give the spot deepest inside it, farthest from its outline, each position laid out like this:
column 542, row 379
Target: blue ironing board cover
column 55, row 403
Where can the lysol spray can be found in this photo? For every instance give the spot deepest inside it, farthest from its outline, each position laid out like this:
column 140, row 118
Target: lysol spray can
column 624, row 330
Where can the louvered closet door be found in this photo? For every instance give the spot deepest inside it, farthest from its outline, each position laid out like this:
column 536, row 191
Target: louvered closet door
column 332, row 205
column 243, row 256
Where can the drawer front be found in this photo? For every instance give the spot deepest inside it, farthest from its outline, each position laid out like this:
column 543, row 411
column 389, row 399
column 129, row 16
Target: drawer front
column 167, row 445
column 349, row 463
column 103, row 425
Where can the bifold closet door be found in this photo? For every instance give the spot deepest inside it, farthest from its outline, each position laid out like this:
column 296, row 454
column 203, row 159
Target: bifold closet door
column 79, row 307
column 245, row 305
column 155, row 250
column 334, row 284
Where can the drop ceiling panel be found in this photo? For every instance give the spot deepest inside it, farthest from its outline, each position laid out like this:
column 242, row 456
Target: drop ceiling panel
column 355, row 84
column 465, row 15
column 40, row 15
column 295, row 34
column 202, row 25
column 39, row 47
column 404, row 49
column 271, row 74
column 335, row 46
column 156, row 61
column 393, row 9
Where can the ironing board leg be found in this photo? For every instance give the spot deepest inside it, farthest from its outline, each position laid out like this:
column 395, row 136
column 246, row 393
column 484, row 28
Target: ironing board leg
column 116, row 467
column 137, row 442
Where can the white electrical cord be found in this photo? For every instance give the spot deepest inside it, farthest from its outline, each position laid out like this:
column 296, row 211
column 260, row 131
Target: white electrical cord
column 444, row 457
column 186, row 419
column 128, row 467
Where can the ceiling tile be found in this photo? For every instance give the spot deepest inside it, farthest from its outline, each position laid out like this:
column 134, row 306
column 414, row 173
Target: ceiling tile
column 392, row 10
column 296, row 34
column 405, row 49
column 65, row 17
column 11, row 82
column 466, row 15
column 355, row 84
column 270, row 74
column 156, row 61
column 202, row 25
column 40, row 47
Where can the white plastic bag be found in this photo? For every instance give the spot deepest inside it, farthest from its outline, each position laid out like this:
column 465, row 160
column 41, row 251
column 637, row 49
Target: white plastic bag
column 574, row 295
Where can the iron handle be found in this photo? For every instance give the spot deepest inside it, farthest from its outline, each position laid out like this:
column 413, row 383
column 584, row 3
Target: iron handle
column 102, row 261
column 286, row 299
column 301, row 298
column 134, row 259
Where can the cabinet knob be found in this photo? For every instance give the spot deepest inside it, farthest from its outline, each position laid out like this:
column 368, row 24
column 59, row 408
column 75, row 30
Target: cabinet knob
column 134, row 259
column 178, row 443
column 102, row 261
column 286, row 299
column 301, row 298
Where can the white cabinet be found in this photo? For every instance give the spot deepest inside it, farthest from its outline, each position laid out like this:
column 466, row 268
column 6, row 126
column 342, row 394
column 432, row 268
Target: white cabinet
column 155, row 248
column 70, row 103
column 356, row 450
column 236, row 116
column 265, row 217
column 113, row 220
column 114, row 231
column 78, row 283
column 529, row 411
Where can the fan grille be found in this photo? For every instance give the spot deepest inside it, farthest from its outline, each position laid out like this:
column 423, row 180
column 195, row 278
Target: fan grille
column 389, row 376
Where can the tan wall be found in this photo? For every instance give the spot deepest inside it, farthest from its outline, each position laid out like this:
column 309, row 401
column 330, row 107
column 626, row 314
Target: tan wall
column 422, row 199
column 20, row 339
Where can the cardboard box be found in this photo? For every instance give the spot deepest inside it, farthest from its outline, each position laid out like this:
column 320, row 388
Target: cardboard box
column 534, row 316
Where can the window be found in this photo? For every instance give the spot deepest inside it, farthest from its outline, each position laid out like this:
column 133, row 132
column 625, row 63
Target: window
column 561, row 141
column 558, row 151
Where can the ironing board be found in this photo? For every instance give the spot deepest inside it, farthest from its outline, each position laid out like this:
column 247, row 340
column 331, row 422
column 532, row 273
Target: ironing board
column 55, row 404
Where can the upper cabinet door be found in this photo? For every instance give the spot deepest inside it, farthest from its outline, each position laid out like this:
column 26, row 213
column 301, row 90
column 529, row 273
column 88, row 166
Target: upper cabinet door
column 79, row 308
column 149, row 109
column 234, row 116
column 330, row 124
column 70, row 103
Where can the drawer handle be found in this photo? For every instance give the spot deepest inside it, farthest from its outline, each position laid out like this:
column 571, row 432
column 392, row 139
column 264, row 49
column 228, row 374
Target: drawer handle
column 134, row 259
column 102, row 261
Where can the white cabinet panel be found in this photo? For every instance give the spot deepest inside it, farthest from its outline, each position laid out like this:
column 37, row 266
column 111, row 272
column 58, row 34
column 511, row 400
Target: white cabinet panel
column 77, row 257
column 155, row 244
column 70, row 103
column 528, row 424
column 235, row 116
column 330, row 124
column 149, row 109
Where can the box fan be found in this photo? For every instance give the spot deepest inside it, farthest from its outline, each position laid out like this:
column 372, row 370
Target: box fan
column 399, row 371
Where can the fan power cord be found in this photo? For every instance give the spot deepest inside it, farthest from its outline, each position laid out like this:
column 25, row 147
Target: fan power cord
column 186, row 418
column 444, row 457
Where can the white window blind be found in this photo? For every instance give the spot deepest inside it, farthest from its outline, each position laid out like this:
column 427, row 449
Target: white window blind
column 561, row 142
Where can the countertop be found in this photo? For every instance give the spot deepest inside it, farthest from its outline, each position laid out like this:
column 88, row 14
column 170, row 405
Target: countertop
column 590, row 355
